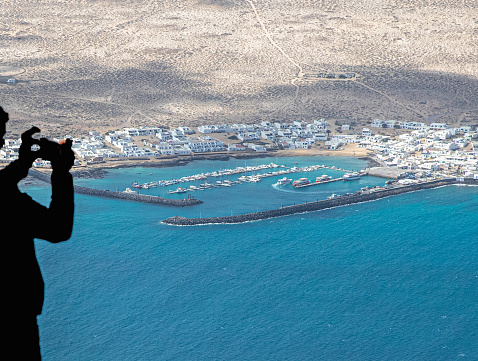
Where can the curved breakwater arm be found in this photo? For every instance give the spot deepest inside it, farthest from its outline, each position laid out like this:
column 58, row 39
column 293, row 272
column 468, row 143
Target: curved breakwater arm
column 313, row 206
column 122, row 195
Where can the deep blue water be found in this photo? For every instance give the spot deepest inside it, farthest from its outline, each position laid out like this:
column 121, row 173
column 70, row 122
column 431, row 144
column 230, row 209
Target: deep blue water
column 393, row 279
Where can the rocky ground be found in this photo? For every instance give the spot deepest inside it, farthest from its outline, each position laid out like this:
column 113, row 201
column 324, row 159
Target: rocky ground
column 105, row 64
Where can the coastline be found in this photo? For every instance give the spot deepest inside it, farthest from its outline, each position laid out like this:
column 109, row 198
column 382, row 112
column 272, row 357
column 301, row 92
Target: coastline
column 98, row 170
column 317, row 205
column 134, row 197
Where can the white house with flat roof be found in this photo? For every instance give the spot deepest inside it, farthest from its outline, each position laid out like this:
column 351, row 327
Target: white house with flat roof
column 366, row 132
column 203, row 146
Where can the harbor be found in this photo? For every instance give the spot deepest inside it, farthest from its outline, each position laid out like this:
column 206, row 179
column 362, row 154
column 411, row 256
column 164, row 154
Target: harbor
column 364, row 195
column 181, row 191
column 287, row 184
column 128, row 195
column 247, row 174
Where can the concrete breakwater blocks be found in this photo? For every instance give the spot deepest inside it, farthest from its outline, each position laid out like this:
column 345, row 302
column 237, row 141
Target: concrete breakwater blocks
column 121, row 195
column 314, row 206
column 138, row 197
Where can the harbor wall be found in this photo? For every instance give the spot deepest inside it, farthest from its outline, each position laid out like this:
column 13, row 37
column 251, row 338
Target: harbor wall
column 134, row 197
column 313, row 206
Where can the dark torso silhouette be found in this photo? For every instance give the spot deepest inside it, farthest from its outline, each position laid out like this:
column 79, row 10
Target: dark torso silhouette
column 23, row 219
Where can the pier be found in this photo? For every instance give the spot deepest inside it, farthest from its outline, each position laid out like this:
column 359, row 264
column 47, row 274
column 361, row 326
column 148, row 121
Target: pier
column 129, row 196
column 331, row 180
column 339, row 201
column 317, row 183
column 253, row 177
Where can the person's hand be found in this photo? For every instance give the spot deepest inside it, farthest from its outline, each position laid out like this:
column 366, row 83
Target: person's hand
column 26, row 155
column 59, row 154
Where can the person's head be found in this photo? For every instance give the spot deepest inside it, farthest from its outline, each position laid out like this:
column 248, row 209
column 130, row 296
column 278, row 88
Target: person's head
column 3, row 125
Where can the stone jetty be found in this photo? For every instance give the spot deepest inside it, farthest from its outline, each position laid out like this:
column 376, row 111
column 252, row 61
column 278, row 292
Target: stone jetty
column 318, row 205
column 122, row 195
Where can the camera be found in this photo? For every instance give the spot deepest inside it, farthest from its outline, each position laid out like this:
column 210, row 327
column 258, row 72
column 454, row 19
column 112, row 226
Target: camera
column 59, row 154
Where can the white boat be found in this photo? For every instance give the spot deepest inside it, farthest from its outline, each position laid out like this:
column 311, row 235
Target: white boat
column 130, row 191
column 301, row 182
column 322, row 178
column 179, row 190
column 333, row 196
column 284, row 181
column 351, row 176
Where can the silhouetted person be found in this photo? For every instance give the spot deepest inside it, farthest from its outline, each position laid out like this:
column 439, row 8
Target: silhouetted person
column 22, row 219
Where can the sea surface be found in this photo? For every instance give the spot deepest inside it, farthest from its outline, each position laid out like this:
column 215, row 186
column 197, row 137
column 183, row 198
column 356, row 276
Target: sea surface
column 393, row 279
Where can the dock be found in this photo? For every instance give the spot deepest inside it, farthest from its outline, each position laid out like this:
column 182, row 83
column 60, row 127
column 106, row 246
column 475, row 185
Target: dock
column 337, row 201
column 317, row 183
column 385, row 172
column 275, row 170
column 129, row 196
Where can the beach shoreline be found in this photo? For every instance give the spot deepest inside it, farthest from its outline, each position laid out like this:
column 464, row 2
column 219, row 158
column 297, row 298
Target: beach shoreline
column 98, row 170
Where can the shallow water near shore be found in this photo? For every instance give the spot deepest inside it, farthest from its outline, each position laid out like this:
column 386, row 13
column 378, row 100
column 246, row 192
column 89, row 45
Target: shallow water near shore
column 393, row 279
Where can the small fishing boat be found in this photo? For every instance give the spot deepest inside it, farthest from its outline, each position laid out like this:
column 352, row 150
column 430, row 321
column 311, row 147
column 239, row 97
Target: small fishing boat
column 179, row 190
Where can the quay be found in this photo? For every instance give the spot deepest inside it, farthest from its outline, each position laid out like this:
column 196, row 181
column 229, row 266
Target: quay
column 357, row 197
column 385, row 172
column 122, row 195
column 239, row 170
column 331, row 180
column 317, row 183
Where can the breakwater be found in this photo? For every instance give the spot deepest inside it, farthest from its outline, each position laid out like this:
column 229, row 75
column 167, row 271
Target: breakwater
column 134, row 197
column 316, row 206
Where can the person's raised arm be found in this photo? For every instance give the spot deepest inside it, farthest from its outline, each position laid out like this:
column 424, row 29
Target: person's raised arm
column 56, row 222
column 18, row 169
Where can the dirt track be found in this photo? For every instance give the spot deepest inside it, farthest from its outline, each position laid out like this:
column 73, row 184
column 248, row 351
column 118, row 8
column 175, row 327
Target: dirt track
column 106, row 64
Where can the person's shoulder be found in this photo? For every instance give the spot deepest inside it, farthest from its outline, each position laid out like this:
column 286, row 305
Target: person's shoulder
column 25, row 197
column 18, row 198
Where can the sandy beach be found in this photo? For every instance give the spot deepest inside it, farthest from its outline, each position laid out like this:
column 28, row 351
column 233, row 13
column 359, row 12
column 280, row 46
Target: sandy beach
column 97, row 169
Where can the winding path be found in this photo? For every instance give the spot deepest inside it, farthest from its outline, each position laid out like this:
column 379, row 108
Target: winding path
column 300, row 73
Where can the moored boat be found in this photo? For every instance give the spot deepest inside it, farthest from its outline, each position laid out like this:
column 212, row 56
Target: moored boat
column 351, row 176
column 284, row 181
column 301, row 182
column 322, row 178
column 179, row 190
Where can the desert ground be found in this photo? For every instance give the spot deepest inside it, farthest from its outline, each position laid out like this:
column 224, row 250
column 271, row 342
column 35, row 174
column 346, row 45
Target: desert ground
column 101, row 64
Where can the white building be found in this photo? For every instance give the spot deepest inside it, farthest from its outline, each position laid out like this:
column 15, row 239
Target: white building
column 203, row 146
column 320, row 137
column 366, row 132
column 186, row 130
column 248, row 136
column 438, row 126
column 302, row 144
column 236, row 147
column 268, row 135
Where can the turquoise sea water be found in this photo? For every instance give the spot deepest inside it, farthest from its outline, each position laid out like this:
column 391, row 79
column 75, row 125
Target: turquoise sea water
column 393, row 279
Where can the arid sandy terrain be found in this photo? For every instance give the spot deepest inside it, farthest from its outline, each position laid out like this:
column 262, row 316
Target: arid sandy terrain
column 104, row 64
